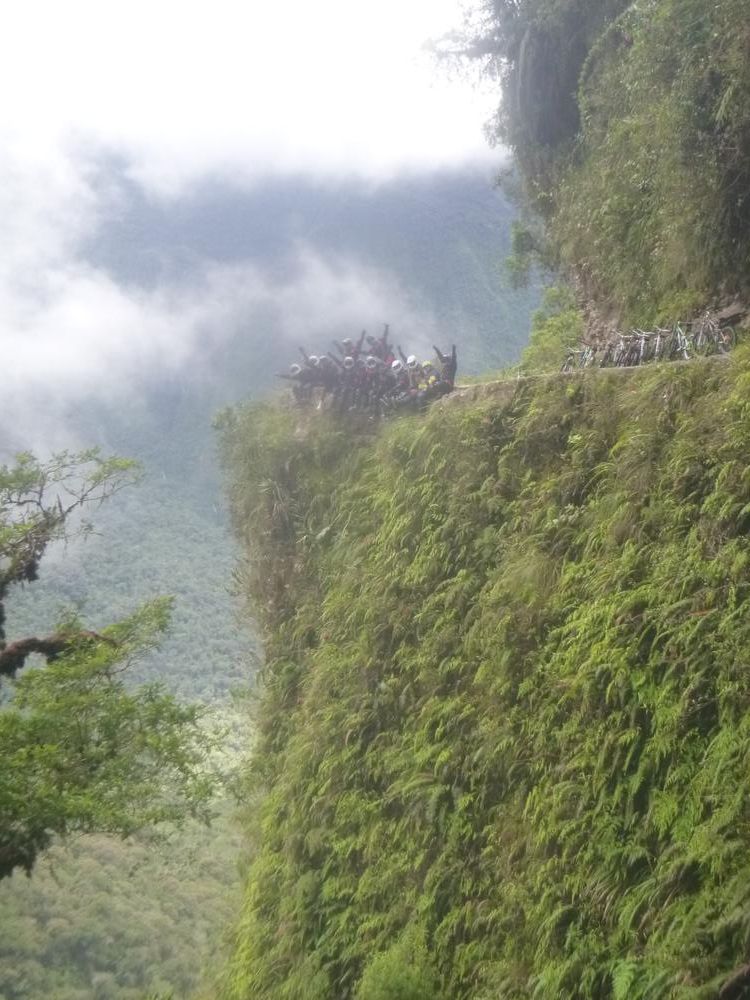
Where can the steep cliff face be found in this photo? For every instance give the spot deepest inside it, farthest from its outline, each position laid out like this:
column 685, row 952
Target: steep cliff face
column 504, row 738
column 629, row 123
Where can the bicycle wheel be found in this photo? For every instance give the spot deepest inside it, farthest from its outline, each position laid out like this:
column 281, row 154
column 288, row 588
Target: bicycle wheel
column 661, row 346
column 679, row 346
column 642, row 346
column 672, row 348
column 704, row 342
column 606, row 361
column 623, row 359
column 726, row 339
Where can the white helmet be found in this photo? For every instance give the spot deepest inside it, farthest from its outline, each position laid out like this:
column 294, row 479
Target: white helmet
column 348, row 363
column 397, row 366
column 411, row 361
column 295, row 369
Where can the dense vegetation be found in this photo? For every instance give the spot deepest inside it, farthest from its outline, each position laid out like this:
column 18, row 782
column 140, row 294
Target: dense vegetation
column 86, row 748
column 503, row 733
column 630, row 126
column 109, row 919
column 81, row 753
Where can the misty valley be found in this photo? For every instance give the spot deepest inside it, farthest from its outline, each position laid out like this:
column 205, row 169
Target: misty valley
column 374, row 501
column 109, row 918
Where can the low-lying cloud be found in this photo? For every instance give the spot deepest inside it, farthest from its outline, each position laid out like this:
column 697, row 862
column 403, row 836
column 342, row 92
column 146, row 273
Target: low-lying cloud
column 241, row 90
column 182, row 93
column 72, row 332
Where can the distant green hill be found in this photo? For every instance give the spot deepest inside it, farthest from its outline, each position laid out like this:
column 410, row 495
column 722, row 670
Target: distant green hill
column 444, row 237
column 105, row 919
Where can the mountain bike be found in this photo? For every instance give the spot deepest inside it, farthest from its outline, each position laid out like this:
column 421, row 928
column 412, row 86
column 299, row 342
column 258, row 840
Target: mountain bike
column 582, row 358
column 678, row 345
column 614, row 352
column 627, row 353
column 644, row 345
column 710, row 337
column 660, row 350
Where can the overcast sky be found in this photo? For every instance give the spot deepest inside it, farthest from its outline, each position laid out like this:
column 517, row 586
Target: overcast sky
column 178, row 91
column 242, row 85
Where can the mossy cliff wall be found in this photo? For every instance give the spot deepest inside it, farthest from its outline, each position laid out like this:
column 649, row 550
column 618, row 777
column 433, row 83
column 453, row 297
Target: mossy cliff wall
column 504, row 726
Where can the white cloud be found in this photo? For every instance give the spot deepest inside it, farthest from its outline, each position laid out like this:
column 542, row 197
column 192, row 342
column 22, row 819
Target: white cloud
column 181, row 90
column 89, row 336
column 243, row 87
column 70, row 333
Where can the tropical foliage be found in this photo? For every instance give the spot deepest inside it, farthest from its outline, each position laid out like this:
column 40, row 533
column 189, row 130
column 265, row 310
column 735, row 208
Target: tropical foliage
column 104, row 918
column 631, row 128
column 39, row 504
column 164, row 904
column 81, row 753
column 503, row 733
column 127, row 916
column 558, row 325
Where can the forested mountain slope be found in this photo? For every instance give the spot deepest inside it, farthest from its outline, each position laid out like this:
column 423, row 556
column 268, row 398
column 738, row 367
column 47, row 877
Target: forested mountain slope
column 503, row 735
column 109, row 919
column 629, row 123
column 442, row 238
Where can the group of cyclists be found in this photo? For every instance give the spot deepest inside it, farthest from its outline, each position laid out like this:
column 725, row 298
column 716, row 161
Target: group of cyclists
column 371, row 376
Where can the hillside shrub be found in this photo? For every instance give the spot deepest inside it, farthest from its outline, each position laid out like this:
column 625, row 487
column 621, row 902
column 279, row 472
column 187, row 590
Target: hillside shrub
column 403, row 972
column 506, row 692
column 558, row 325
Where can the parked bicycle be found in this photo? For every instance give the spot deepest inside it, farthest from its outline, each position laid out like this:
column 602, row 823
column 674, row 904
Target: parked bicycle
column 679, row 345
column 710, row 337
column 621, row 354
column 582, row 358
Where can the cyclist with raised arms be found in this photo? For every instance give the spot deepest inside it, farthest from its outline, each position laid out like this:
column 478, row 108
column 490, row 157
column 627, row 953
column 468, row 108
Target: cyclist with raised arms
column 448, row 364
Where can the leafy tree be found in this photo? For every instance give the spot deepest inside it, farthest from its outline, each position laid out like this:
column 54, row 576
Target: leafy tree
column 81, row 752
column 38, row 505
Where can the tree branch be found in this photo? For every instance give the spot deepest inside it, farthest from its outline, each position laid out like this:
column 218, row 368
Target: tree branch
column 14, row 655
